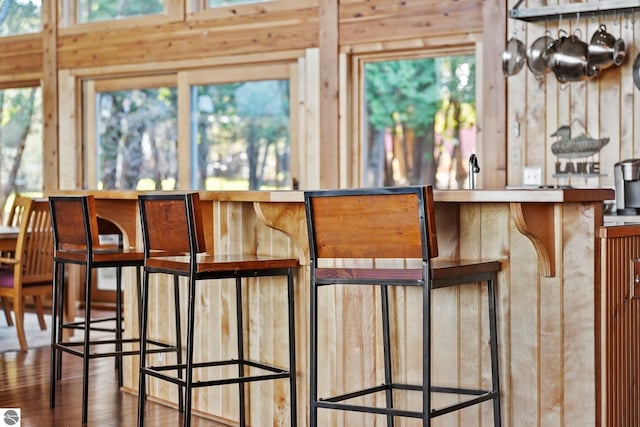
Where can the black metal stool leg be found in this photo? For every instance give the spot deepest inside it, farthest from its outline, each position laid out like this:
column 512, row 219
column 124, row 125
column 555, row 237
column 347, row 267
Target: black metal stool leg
column 60, row 330
column 53, row 374
column 493, row 331
column 293, row 401
column 240, row 338
column 118, row 358
column 426, row 355
column 87, row 347
column 191, row 302
column 313, row 355
column 386, row 342
column 176, row 299
column 142, row 387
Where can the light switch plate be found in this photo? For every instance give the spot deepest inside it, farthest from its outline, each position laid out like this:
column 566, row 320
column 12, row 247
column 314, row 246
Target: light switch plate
column 532, row 175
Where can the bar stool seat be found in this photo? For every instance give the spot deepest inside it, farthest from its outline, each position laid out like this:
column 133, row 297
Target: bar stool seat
column 76, row 236
column 174, row 245
column 351, row 233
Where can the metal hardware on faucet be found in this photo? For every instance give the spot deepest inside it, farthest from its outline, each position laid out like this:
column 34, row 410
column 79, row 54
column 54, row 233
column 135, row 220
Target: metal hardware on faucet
column 474, row 169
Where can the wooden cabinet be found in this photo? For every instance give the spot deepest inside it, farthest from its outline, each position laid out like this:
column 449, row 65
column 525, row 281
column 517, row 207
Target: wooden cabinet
column 619, row 332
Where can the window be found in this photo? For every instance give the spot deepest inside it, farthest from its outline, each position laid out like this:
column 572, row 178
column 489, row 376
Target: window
column 21, row 142
column 241, row 135
column 222, row 128
column 20, row 17
column 419, row 121
column 133, row 137
column 104, row 10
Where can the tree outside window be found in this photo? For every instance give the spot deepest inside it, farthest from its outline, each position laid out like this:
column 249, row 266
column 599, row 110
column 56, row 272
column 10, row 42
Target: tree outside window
column 420, row 121
column 105, row 10
column 20, row 17
column 241, row 136
column 137, row 142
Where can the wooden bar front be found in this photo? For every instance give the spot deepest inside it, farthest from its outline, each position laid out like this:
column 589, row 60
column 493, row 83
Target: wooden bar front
column 548, row 302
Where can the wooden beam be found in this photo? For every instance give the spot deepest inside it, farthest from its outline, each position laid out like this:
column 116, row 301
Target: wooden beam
column 50, row 158
column 329, row 90
column 492, row 138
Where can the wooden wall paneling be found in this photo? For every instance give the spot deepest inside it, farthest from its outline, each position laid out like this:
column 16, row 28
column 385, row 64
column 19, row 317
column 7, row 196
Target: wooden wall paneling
column 553, row 91
column 493, row 128
column 50, row 152
column 633, row 50
column 551, row 294
column 23, row 58
column 345, row 121
column 515, row 119
column 312, row 141
column 184, row 130
column 536, row 135
column 114, row 44
column 592, row 114
column 472, row 320
column 372, row 21
column 295, row 121
column 524, row 370
column 329, row 92
column 627, row 89
column 494, row 243
column 578, row 313
column 611, row 117
column 70, row 126
column 299, row 163
column 176, row 9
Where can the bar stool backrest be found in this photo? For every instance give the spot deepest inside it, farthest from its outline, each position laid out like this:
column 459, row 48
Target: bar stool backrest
column 172, row 224
column 372, row 223
column 75, row 223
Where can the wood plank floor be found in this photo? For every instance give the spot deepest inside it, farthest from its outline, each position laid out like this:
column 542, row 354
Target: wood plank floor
column 24, row 383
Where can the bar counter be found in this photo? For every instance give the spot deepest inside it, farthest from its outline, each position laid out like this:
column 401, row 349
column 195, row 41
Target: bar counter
column 549, row 308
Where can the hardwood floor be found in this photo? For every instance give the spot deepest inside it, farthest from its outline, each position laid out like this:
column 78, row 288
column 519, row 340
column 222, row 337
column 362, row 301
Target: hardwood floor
column 24, row 383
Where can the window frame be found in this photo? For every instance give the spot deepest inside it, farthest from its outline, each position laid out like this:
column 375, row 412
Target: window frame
column 357, row 93
column 183, row 81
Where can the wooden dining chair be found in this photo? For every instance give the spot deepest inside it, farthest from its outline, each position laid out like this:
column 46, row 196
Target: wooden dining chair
column 18, row 206
column 28, row 272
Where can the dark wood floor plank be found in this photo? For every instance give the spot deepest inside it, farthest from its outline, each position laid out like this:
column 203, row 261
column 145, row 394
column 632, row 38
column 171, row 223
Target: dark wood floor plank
column 24, row 383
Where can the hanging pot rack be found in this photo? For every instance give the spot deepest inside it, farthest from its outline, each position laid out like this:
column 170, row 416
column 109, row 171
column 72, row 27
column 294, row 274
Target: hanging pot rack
column 572, row 10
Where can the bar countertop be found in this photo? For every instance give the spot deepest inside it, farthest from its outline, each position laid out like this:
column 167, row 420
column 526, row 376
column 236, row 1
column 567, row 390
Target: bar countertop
column 516, row 195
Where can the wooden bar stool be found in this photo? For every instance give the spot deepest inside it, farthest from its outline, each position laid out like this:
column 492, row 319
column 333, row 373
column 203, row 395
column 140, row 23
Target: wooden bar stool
column 349, row 230
column 76, row 240
column 174, row 244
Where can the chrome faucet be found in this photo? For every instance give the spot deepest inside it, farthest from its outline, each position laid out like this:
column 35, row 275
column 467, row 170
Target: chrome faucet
column 474, row 169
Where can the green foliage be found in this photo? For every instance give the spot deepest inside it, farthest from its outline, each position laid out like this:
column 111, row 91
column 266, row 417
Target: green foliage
column 20, row 17
column 410, row 92
column 104, row 10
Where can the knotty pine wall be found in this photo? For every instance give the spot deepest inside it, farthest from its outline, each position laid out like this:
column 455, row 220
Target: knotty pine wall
column 293, row 31
column 518, row 130
column 608, row 105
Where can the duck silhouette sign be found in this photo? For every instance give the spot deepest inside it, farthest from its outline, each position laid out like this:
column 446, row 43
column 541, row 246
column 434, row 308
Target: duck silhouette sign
column 574, row 148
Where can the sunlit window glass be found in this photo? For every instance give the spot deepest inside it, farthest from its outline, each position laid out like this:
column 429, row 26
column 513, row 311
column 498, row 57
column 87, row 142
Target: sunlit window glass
column 219, row 3
column 137, row 142
column 105, row 10
column 20, row 142
column 420, row 121
column 20, row 17
column 240, row 136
